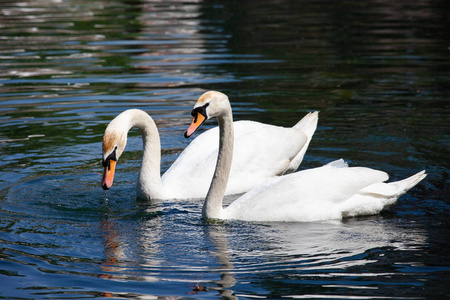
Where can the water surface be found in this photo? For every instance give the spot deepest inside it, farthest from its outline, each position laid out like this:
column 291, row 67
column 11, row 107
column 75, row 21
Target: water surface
column 378, row 72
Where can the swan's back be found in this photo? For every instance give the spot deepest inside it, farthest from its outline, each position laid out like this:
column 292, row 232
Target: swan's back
column 329, row 192
column 261, row 151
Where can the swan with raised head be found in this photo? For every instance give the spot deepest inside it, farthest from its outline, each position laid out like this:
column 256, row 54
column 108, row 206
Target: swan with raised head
column 265, row 151
column 333, row 191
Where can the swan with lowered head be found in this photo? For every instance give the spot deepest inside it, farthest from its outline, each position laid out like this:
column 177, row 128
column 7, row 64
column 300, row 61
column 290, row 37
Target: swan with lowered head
column 265, row 151
column 329, row 192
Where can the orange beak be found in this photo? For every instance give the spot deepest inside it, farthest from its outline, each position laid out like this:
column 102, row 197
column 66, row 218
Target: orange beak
column 197, row 121
column 108, row 175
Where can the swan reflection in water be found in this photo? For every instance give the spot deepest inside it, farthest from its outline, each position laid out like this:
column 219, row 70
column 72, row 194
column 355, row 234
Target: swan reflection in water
column 174, row 246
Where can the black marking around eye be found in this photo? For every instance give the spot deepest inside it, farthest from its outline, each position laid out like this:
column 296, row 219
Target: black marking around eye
column 199, row 110
column 112, row 156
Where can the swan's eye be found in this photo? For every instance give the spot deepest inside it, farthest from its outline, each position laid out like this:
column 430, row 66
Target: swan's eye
column 195, row 115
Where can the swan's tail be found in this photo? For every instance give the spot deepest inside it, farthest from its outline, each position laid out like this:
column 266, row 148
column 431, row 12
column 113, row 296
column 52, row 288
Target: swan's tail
column 307, row 125
column 379, row 196
column 408, row 183
column 391, row 191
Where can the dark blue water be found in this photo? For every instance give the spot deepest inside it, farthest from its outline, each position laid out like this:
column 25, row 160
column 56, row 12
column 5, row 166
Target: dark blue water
column 377, row 71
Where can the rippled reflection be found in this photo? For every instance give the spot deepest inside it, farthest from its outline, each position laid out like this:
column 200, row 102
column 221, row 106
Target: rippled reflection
column 327, row 255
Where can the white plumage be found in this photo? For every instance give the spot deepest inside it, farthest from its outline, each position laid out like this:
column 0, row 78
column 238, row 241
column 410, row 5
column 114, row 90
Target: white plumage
column 333, row 191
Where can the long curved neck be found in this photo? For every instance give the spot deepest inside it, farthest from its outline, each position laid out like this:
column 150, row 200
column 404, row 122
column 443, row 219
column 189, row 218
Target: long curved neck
column 212, row 208
column 149, row 181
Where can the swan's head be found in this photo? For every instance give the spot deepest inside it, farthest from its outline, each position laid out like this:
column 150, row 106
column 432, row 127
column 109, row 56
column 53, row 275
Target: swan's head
column 211, row 104
column 114, row 142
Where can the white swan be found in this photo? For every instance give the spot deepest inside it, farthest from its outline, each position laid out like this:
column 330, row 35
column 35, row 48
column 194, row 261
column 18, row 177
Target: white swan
column 330, row 192
column 265, row 151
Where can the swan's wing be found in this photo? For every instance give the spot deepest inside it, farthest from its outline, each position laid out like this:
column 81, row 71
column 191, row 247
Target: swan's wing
column 260, row 152
column 310, row 195
column 307, row 125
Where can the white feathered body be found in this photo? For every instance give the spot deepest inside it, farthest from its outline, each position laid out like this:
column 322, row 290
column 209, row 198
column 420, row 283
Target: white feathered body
column 261, row 152
column 333, row 191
